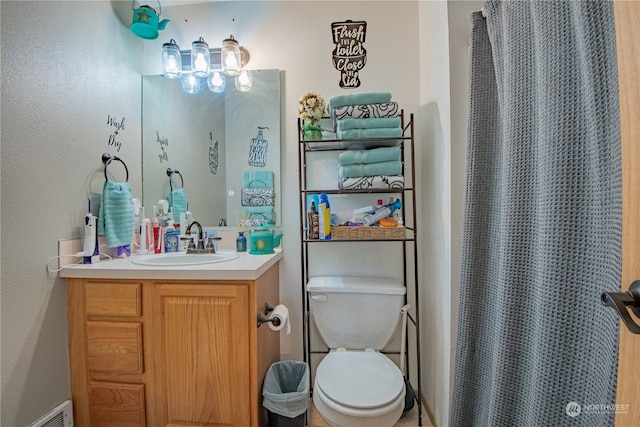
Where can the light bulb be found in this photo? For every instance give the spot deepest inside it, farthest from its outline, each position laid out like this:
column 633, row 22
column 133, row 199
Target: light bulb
column 200, row 58
column 230, row 56
column 217, row 82
column 244, row 81
column 171, row 60
column 191, row 84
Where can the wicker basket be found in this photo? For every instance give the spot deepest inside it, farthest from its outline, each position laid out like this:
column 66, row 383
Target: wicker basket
column 366, row 233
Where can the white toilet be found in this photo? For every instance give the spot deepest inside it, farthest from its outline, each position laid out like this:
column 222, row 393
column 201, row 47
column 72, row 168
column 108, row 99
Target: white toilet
column 356, row 385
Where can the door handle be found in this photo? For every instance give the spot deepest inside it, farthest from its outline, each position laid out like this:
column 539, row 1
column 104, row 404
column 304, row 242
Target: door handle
column 621, row 300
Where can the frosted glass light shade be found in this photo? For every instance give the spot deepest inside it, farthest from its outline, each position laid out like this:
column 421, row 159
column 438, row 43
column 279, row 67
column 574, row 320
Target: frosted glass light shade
column 217, row 82
column 230, row 57
column 200, row 58
column 171, row 60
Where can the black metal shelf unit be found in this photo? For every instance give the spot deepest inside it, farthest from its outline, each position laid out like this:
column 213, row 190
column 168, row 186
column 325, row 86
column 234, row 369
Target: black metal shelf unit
column 409, row 242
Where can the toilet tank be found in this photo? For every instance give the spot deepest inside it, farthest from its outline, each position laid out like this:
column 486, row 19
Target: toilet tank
column 355, row 312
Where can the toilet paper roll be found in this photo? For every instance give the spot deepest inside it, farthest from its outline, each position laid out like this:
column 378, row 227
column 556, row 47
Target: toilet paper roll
column 282, row 313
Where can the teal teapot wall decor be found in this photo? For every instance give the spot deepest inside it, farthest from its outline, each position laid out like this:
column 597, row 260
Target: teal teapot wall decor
column 262, row 240
column 146, row 22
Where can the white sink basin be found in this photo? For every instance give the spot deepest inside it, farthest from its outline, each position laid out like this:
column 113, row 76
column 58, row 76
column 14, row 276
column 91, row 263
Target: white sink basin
column 176, row 259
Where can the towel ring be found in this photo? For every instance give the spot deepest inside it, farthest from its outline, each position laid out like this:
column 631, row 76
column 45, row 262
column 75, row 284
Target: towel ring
column 171, row 172
column 107, row 159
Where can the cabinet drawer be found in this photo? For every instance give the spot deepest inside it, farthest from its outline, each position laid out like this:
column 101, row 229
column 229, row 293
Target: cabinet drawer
column 115, row 347
column 114, row 404
column 109, row 299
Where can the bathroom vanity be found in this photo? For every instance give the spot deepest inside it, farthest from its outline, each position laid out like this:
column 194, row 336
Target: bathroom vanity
column 169, row 346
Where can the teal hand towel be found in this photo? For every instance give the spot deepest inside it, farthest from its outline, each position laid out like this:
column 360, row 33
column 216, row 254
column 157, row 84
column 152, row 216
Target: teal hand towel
column 370, row 133
column 367, row 123
column 177, row 201
column 359, row 98
column 376, row 155
column 257, row 179
column 116, row 219
column 371, row 169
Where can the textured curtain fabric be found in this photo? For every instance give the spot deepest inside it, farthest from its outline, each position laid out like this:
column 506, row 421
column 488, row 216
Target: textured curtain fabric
column 543, row 213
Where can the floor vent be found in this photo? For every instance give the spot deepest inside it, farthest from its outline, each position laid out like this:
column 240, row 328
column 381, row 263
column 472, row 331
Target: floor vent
column 60, row 416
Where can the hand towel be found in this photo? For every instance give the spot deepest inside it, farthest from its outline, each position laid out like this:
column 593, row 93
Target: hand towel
column 387, row 109
column 359, row 98
column 116, row 218
column 178, row 201
column 260, row 215
column 257, row 179
column 374, row 182
column 371, row 169
column 368, row 123
column 375, row 155
column 370, row 133
column 257, row 196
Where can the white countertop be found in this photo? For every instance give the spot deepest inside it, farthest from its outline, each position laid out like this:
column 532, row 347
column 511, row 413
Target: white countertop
column 245, row 267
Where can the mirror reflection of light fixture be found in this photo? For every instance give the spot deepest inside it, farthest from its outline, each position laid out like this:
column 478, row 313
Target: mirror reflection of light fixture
column 217, row 82
column 200, row 58
column 244, row 81
column 191, row 84
column 171, row 60
column 230, row 56
column 202, row 63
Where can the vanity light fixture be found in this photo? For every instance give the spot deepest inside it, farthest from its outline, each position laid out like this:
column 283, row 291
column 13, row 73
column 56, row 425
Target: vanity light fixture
column 207, row 66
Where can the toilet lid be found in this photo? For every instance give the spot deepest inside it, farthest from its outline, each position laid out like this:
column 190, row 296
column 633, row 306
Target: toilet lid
column 359, row 379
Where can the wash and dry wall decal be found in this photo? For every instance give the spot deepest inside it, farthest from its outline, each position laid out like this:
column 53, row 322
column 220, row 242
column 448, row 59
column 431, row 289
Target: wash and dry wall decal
column 258, row 149
column 213, row 155
column 115, row 126
column 349, row 55
column 163, row 143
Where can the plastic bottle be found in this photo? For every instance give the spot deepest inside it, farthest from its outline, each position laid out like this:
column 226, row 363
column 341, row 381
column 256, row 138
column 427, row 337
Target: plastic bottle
column 382, row 212
column 171, row 239
column 312, row 222
column 324, row 218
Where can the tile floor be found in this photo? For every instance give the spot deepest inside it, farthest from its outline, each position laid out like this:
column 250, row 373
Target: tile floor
column 408, row 420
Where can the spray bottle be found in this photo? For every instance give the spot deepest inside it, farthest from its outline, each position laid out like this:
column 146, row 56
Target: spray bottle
column 382, row 212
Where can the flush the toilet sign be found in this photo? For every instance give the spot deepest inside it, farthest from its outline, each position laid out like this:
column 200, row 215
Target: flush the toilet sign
column 258, row 149
column 349, row 55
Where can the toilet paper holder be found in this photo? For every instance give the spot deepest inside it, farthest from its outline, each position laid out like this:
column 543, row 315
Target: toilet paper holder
column 261, row 319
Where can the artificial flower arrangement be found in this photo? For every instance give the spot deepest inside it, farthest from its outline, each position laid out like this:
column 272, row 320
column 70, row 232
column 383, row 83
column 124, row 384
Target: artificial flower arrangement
column 311, row 108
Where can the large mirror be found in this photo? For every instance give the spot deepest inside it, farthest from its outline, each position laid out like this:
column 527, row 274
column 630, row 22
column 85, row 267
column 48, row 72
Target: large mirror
column 225, row 146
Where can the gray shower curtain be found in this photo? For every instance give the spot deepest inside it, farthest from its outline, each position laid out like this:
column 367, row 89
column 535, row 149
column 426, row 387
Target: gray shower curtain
column 542, row 231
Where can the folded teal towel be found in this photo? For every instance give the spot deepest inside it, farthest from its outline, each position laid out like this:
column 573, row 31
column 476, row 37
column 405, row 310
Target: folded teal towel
column 368, row 123
column 260, row 215
column 116, row 219
column 257, row 179
column 375, row 155
column 178, row 201
column 370, row 133
column 359, row 98
column 371, row 169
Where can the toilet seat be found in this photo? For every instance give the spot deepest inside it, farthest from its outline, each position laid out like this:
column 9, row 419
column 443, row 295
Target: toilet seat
column 359, row 380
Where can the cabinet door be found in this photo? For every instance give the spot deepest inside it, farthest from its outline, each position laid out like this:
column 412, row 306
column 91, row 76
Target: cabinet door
column 201, row 354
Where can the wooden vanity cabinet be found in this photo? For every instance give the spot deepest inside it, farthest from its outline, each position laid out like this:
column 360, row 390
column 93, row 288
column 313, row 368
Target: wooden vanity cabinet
column 170, row 353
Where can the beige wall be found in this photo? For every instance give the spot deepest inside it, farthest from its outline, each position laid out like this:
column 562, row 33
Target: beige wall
column 68, row 66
